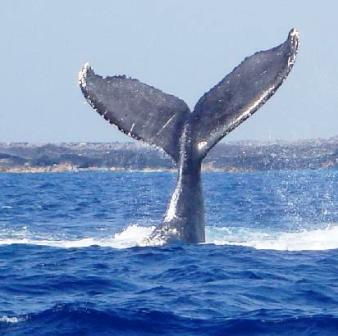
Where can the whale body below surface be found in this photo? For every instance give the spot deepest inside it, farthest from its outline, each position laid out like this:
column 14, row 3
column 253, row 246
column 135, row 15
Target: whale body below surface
column 148, row 114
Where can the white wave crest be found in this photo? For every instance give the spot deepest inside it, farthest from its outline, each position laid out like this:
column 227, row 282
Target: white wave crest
column 133, row 235
column 136, row 235
column 317, row 239
column 7, row 319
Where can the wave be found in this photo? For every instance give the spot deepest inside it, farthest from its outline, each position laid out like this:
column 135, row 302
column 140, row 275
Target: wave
column 133, row 235
column 136, row 235
column 86, row 319
column 316, row 239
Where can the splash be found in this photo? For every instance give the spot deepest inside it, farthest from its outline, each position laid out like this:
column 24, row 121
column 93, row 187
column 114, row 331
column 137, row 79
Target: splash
column 133, row 235
column 136, row 235
column 316, row 239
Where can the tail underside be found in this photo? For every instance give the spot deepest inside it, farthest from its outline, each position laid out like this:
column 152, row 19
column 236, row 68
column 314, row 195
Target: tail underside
column 241, row 93
column 137, row 109
column 150, row 115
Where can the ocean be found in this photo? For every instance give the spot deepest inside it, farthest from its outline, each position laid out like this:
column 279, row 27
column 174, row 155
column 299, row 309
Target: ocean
column 73, row 259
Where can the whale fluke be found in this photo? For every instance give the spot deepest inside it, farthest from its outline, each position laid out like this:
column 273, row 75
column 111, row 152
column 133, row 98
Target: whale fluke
column 242, row 92
column 163, row 120
column 137, row 109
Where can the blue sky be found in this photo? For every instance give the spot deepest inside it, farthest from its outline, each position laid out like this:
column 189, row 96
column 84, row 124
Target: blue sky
column 181, row 47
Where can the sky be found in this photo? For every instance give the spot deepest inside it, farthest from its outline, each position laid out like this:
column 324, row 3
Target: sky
column 181, row 47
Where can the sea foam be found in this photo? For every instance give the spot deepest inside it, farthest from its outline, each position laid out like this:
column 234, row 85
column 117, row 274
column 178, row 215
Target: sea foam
column 136, row 235
column 6, row 319
column 315, row 239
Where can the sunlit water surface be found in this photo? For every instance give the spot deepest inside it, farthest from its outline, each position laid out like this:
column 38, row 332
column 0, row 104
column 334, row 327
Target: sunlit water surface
column 73, row 260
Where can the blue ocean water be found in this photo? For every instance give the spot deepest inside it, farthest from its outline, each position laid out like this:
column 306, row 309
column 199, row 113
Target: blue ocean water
column 73, row 260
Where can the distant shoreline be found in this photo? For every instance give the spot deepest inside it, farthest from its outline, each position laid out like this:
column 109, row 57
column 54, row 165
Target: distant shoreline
column 63, row 169
column 46, row 170
column 135, row 157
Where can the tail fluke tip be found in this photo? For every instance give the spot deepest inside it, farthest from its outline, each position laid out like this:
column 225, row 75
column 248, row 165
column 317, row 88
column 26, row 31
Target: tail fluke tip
column 83, row 74
column 294, row 38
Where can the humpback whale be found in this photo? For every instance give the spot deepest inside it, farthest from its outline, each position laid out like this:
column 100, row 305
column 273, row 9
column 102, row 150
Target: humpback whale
column 163, row 120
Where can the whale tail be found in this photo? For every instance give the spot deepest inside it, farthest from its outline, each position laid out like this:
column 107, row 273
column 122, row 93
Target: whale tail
column 148, row 114
column 160, row 119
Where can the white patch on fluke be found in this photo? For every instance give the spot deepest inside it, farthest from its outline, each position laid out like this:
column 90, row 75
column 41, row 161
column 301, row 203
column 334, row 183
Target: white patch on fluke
column 201, row 145
column 294, row 33
column 83, row 75
column 166, row 124
column 253, row 106
column 131, row 129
